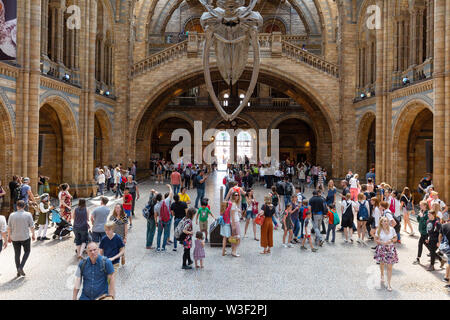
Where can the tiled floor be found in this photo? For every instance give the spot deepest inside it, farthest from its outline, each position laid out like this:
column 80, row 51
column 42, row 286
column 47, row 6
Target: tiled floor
column 338, row 271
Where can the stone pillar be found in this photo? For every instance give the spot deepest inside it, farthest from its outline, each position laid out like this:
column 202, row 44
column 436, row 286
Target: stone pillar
column 420, row 35
column 27, row 94
column 441, row 116
column 385, row 57
column 59, row 41
column 123, row 61
column 345, row 149
column 44, row 27
column 413, row 18
column 85, row 181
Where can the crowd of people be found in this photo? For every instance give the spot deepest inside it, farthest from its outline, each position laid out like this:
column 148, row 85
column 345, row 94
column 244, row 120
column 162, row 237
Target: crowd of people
column 374, row 211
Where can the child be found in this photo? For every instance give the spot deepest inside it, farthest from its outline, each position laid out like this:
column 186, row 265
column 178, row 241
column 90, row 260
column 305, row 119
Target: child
column 287, row 225
column 303, row 211
column 331, row 225
column 44, row 212
column 202, row 214
column 127, row 202
column 187, row 242
column 199, row 251
column 112, row 246
column 308, row 227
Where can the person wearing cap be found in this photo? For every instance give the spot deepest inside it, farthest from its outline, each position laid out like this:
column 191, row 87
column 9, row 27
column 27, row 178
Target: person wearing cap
column 44, row 212
column 25, row 193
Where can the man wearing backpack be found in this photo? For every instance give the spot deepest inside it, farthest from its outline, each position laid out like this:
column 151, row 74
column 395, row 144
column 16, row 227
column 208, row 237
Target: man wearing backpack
column 25, row 193
column 201, row 185
column 288, row 191
column 152, row 221
column 162, row 212
column 97, row 274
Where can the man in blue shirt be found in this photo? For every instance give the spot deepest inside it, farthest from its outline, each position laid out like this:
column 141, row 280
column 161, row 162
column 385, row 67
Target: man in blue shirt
column 201, row 178
column 97, row 274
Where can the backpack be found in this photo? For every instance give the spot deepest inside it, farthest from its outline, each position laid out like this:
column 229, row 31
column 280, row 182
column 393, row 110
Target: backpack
column 289, row 190
column 164, row 213
column 187, row 172
column 83, row 265
column 194, row 181
column 304, row 211
column 179, row 234
column 336, row 219
column 274, row 200
column 21, row 193
column 392, row 206
column 363, row 214
column 148, row 211
column 224, row 181
column 18, row 193
column 280, row 188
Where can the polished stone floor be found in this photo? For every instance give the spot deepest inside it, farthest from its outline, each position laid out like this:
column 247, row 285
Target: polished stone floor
column 336, row 271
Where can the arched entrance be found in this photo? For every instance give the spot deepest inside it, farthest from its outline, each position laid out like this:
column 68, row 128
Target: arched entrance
column 365, row 147
column 6, row 153
column 309, row 105
column 161, row 144
column 413, row 145
column 297, row 141
column 57, row 158
column 102, row 139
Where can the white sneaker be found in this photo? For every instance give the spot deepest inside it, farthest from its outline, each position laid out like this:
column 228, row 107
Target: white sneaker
column 284, row 245
column 345, row 241
column 358, row 240
column 289, row 245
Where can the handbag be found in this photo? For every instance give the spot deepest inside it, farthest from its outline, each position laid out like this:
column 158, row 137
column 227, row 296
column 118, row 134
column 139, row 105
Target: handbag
column 233, row 240
column 444, row 246
column 259, row 219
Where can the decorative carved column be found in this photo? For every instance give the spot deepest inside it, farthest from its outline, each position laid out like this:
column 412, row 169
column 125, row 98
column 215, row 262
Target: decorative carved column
column 60, row 8
column 420, row 35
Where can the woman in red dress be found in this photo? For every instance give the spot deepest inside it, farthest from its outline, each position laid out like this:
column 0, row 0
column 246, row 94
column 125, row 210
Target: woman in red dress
column 65, row 202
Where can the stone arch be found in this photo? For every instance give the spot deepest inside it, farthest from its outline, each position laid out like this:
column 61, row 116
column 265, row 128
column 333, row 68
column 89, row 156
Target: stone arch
column 105, row 146
column 322, row 136
column 144, row 139
column 275, row 21
column 243, row 116
column 400, row 141
column 6, row 150
column 67, row 166
column 319, row 107
column 364, row 127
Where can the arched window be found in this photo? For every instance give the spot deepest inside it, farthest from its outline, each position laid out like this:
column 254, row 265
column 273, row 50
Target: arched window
column 244, row 146
column 222, row 149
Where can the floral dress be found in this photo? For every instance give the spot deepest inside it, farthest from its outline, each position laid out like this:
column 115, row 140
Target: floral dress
column 66, row 212
column 187, row 242
column 120, row 225
column 386, row 253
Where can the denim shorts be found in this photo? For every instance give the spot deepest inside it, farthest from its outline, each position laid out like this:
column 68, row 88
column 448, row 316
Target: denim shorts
column 250, row 214
column 80, row 237
column 127, row 212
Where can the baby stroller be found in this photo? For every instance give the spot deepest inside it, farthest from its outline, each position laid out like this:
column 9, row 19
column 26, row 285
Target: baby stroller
column 63, row 228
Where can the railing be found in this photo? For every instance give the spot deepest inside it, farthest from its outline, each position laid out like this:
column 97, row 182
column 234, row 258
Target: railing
column 308, row 58
column 294, row 52
column 254, row 102
column 159, row 58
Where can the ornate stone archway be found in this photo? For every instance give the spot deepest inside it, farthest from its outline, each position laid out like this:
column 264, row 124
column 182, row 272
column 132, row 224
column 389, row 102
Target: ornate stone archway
column 400, row 141
column 6, row 152
column 365, row 125
column 62, row 123
column 105, row 132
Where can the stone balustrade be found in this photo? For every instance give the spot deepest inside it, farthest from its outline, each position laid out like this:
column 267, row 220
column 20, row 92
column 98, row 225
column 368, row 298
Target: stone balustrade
column 273, row 43
column 312, row 60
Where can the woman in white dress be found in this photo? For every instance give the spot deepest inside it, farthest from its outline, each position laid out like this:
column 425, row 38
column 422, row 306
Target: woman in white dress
column 235, row 219
column 386, row 254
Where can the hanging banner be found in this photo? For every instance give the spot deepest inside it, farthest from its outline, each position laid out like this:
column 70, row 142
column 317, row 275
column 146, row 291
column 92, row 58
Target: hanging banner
column 8, row 29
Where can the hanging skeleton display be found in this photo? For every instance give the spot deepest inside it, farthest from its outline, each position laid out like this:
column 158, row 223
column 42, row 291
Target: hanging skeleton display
column 231, row 27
